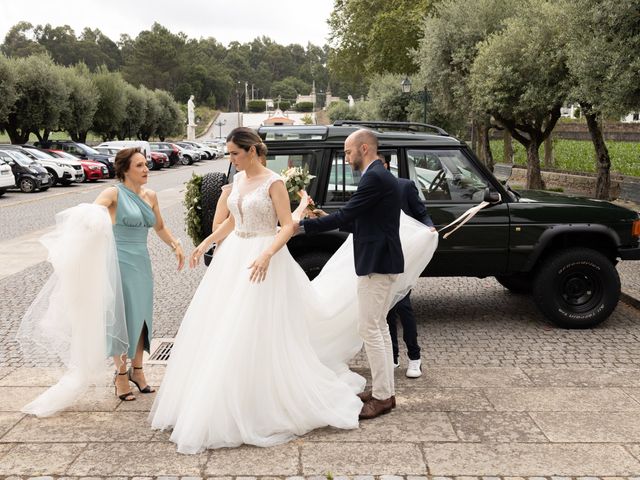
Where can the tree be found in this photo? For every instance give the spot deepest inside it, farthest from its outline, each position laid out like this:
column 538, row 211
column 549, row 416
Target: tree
column 375, row 36
column 135, row 112
column 112, row 104
column 341, row 111
column 7, row 89
column 152, row 116
column 82, row 103
column 449, row 46
column 20, row 41
column 603, row 41
column 170, row 119
column 60, row 42
column 520, row 78
column 41, row 97
column 289, row 88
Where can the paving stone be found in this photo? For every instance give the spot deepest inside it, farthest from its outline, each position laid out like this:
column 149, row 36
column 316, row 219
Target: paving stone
column 561, row 399
column 495, row 427
column 82, row 427
column 4, row 371
column 419, row 477
column 442, row 399
column 587, row 427
column 475, row 377
column 32, row 377
column 12, row 399
column 394, row 427
column 7, row 422
column 391, row 477
column 355, row 458
column 141, row 459
column 142, row 403
column 584, row 377
column 32, row 459
column 529, row 459
column 281, row 460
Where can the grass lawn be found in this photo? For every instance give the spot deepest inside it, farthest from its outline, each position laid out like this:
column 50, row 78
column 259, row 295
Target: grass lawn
column 578, row 156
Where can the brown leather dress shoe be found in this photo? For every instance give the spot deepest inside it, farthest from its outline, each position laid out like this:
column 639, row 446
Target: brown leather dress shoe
column 374, row 408
column 368, row 395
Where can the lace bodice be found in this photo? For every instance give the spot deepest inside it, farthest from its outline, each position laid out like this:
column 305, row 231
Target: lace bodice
column 251, row 205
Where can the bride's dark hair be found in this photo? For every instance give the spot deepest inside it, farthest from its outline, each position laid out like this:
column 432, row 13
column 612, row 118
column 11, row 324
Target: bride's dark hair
column 246, row 138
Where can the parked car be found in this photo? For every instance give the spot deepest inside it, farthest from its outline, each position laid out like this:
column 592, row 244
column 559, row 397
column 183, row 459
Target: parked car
column 29, row 174
column 57, row 171
column 562, row 249
column 80, row 150
column 188, row 156
column 159, row 160
column 7, row 180
column 70, row 166
column 168, row 149
column 207, row 152
column 93, row 171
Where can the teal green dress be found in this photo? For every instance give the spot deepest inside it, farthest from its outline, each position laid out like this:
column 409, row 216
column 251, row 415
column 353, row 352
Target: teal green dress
column 134, row 217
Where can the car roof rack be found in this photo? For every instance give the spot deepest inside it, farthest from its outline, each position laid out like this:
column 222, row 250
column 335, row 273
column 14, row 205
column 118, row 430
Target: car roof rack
column 411, row 126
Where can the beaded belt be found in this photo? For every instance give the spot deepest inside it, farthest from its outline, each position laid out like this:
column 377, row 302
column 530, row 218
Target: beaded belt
column 255, row 234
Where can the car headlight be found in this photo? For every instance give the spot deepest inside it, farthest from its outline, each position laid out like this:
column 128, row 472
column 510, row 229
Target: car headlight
column 94, row 167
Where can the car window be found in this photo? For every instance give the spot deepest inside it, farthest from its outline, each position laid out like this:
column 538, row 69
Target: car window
column 280, row 161
column 343, row 180
column 445, row 175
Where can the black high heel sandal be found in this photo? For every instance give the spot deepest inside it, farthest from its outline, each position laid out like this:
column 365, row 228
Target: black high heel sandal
column 146, row 389
column 125, row 397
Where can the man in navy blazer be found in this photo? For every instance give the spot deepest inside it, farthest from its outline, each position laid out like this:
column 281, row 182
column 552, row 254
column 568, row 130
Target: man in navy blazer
column 414, row 207
column 373, row 216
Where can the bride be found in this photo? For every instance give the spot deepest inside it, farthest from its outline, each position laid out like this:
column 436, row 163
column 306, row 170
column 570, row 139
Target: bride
column 260, row 357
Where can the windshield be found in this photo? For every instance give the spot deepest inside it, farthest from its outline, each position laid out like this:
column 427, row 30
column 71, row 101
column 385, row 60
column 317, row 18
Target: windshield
column 88, row 149
column 20, row 158
column 40, row 154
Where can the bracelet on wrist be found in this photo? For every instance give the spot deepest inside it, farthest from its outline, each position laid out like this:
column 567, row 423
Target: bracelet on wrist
column 175, row 244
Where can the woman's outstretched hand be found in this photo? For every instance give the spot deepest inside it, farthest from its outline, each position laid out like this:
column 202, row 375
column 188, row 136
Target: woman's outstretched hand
column 179, row 256
column 194, row 259
column 259, row 268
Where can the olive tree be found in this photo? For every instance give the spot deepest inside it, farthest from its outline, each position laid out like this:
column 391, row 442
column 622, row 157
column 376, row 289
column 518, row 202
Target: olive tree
column 520, row 78
column 41, row 97
column 149, row 125
column 77, row 116
column 112, row 104
column 7, row 89
column 135, row 112
column 170, row 119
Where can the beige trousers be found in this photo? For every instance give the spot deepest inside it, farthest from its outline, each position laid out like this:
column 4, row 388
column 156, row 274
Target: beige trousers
column 374, row 299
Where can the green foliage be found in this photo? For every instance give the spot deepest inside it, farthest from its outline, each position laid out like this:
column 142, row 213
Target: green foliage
column 307, row 119
column 171, row 119
column 20, row 42
column 577, row 155
column 193, row 205
column 77, row 117
column 257, row 105
column 341, row 111
column 135, row 112
column 285, row 105
column 152, row 115
column 303, row 107
column 112, row 105
column 7, row 88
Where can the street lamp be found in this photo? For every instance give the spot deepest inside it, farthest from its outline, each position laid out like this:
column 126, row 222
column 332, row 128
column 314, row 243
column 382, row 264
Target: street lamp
column 219, row 124
column 406, row 88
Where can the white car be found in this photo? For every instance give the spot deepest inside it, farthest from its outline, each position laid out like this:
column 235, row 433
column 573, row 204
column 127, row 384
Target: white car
column 62, row 171
column 7, row 180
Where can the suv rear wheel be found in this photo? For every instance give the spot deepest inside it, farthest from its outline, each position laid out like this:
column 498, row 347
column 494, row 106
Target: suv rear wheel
column 577, row 288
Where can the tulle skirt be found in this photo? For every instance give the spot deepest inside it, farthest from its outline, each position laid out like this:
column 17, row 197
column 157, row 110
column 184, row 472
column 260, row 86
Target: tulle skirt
column 263, row 363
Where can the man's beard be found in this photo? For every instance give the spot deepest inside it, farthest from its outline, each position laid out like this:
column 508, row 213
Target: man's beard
column 356, row 161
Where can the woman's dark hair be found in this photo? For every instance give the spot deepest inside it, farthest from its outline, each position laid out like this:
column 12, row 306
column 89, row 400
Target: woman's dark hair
column 246, row 138
column 123, row 161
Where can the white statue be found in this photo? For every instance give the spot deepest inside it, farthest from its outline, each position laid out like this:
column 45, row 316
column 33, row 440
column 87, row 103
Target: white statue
column 351, row 102
column 191, row 111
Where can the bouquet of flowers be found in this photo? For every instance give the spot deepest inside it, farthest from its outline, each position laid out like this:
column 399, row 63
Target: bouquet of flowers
column 297, row 179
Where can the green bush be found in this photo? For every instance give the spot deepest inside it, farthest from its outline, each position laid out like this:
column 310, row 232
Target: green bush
column 257, row 105
column 303, row 107
column 284, row 105
column 341, row 111
column 193, row 206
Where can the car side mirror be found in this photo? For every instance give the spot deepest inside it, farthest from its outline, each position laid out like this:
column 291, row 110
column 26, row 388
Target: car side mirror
column 502, row 172
column 492, row 196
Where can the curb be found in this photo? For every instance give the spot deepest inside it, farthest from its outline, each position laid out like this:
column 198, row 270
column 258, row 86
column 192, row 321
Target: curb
column 630, row 300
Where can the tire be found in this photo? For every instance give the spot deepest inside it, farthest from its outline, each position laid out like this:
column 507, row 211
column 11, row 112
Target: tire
column 313, row 262
column 27, row 185
column 2, row 191
column 66, row 183
column 210, row 192
column 518, row 283
column 53, row 178
column 186, row 160
column 577, row 288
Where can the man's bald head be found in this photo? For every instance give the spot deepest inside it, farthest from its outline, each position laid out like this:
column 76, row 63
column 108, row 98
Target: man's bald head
column 361, row 148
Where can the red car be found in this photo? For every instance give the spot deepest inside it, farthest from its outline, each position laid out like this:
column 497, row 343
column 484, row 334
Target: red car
column 92, row 170
column 159, row 160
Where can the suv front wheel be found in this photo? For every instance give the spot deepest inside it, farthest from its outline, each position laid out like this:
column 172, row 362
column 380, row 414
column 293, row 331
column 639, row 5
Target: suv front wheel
column 577, row 288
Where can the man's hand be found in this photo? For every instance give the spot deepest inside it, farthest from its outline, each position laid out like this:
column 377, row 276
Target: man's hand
column 318, row 213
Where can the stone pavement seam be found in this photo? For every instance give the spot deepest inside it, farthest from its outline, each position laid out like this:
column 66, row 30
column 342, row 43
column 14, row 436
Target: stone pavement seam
column 77, row 457
column 539, row 427
column 300, row 464
column 424, row 454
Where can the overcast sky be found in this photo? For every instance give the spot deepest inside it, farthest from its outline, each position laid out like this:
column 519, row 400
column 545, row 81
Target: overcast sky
column 284, row 21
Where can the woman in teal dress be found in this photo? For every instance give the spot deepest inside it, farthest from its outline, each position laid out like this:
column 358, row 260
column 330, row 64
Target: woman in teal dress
column 133, row 210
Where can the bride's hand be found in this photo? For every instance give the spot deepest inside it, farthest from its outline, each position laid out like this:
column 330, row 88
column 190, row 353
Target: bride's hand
column 194, row 259
column 259, row 268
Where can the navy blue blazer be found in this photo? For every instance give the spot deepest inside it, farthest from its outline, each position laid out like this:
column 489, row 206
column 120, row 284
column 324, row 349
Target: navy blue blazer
column 372, row 214
column 410, row 202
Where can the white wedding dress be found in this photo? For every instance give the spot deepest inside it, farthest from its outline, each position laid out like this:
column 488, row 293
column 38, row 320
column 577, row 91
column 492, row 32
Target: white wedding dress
column 261, row 363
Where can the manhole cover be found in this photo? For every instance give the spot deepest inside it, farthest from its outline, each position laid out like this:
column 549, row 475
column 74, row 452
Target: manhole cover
column 162, row 352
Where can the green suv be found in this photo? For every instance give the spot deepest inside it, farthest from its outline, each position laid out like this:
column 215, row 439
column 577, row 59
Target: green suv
column 561, row 249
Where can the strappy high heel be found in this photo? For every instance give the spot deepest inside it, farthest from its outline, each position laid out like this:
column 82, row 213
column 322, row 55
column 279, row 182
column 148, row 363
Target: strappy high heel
column 125, row 397
column 146, row 389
